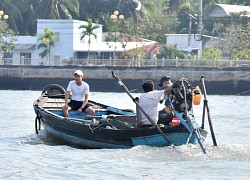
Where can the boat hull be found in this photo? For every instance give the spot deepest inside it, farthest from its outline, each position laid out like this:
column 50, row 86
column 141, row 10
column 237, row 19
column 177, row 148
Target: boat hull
column 76, row 133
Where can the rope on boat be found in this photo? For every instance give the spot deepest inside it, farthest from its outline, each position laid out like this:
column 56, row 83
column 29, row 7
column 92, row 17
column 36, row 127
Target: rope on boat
column 92, row 129
column 37, row 124
column 94, row 123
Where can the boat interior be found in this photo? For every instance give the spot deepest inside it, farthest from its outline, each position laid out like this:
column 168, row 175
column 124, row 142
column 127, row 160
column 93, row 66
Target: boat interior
column 55, row 104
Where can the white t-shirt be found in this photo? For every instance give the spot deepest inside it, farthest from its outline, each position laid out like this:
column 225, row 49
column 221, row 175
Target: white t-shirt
column 149, row 103
column 78, row 92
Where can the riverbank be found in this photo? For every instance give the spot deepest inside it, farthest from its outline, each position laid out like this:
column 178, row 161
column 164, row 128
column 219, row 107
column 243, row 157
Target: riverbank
column 218, row 81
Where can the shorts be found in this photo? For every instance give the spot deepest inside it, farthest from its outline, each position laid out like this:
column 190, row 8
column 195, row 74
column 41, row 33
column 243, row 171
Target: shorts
column 75, row 105
column 164, row 117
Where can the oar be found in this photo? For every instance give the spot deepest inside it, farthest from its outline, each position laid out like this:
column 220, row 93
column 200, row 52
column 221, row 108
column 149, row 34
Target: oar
column 194, row 129
column 208, row 112
column 142, row 110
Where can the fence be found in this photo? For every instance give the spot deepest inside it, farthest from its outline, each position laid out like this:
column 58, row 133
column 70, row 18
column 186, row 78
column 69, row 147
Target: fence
column 128, row 62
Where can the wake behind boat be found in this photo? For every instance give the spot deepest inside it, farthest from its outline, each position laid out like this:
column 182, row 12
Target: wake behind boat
column 112, row 127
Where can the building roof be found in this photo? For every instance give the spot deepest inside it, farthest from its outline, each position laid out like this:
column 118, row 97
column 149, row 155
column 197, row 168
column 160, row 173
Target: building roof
column 223, row 10
column 24, row 46
column 110, row 46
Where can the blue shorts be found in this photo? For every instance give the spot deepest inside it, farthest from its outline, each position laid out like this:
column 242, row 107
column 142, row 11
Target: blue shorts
column 75, row 105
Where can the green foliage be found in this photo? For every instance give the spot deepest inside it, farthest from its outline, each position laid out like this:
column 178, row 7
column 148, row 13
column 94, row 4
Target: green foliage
column 242, row 54
column 7, row 39
column 183, row 18
column 211, row 53
column 47, row 41
column 172, row 52
column 236, row 42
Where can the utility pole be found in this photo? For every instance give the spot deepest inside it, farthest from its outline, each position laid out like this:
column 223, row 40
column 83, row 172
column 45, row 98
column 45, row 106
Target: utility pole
column 199, row 29
column 189, row 36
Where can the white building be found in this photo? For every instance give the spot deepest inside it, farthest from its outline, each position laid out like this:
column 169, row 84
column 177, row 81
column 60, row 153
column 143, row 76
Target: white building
column 69, row 46
column 184, row 43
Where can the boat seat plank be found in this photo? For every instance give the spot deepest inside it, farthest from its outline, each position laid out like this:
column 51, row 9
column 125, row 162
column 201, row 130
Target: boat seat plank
column 50, row 100
column 129, row 118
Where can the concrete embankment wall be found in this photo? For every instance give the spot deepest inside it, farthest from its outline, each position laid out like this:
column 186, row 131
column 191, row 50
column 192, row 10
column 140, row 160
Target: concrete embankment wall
column 218, row 81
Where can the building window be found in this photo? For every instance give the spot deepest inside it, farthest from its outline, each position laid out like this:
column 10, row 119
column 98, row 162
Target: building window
column 25, row 58
column 57, row 39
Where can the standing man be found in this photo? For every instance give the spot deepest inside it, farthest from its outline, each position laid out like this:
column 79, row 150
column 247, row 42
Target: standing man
column 80, row 96
column 149, row 102
column 165, row 82
column 166, row 114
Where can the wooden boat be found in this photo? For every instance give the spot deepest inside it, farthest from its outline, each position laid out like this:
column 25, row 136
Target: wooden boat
column 110, row 127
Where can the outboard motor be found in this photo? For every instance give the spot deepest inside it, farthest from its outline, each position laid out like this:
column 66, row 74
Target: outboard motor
column 177, row 96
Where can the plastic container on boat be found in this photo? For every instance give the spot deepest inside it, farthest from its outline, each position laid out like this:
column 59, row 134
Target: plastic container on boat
column 197, row 96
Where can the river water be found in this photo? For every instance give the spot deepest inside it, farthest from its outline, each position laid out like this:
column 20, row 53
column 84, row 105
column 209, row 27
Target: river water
column 25, row 155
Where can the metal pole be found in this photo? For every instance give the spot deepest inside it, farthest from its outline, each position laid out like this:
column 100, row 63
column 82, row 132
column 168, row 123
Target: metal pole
column 200, row 29
column 189, row 36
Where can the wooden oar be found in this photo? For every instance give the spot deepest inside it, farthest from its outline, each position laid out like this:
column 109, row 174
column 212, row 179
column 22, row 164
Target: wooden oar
column 208, row 112
column 142, row 110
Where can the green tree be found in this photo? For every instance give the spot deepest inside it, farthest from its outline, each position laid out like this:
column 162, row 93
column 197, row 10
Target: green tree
column 174, row 5
column 236, row 38
column 12, row 10
column 47, row 41
column 7, row 40
column 211, row 53
column 172, row 52
column 53, row 9
column 242, row 50
column 183, row 18
column 88, row 30
column 56, row 9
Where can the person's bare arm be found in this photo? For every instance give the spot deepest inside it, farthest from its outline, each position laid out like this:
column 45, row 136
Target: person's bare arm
column 79, row 111
column 85, row 100
column 168, row 89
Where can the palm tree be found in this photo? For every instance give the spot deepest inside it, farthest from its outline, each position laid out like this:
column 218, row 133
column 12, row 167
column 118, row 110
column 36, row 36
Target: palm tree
column 48, row 39
column 53, row 9
column 57, row 9
column 88, row 30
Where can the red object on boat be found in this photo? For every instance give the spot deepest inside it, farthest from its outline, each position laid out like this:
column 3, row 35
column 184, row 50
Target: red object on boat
column 175, row 121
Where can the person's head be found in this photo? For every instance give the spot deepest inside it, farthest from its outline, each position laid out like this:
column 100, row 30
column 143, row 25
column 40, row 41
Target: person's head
column 78, row 75
column 147, row 86
column 164, row 80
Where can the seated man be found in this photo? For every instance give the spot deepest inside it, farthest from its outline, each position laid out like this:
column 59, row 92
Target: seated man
column 80, row 95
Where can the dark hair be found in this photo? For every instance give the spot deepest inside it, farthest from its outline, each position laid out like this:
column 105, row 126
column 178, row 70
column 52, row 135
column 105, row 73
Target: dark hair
column 147, row 86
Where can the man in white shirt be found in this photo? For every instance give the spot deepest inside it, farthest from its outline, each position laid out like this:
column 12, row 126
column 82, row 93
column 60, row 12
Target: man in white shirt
column 149, row 102
column 80, row 95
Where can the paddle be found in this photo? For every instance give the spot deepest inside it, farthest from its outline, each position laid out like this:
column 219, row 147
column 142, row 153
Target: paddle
column 208, row 112
column 194, row 129
column 142, row 110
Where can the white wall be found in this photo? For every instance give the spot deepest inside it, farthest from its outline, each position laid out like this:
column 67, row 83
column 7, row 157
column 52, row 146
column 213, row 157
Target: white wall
column 29, row 41
column 182, row 41
column 69, row 36
column 64, row 28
